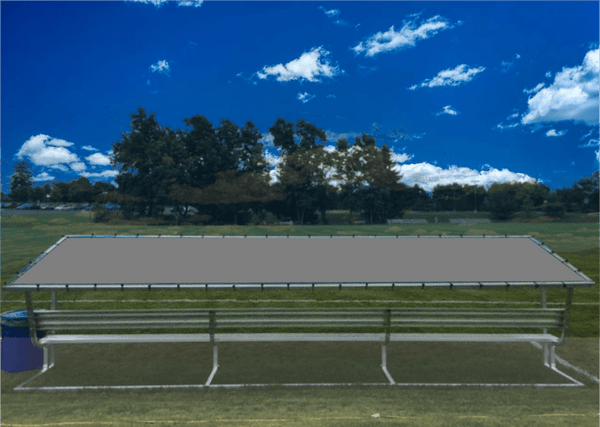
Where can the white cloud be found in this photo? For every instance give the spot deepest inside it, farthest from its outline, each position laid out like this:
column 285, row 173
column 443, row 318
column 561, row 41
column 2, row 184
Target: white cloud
column 341, row 22
column 44, row 176
column 535, row 89
column 548, row 74
column 448, row 110
column 401, row 158
column 501, row 126
column 572, row 96
column 98, row 159
column 552, row 132
column 266, row 139
column 89, row 148
column 305, row 97
column 78, row 166
column 103, row 174
column 333, row 136
column 42, row 150
column 590, row 143
column 427, row 176
column 191, row 3
column 364, row 70
column 417, row 136
column 451, row 77
column 272, row 159
column 330, row 13
column 506, row 65
column 161, row 67
column 157, row 3
column 307, row 67
column 331, row 96
column 407, row 36
column 588, row 134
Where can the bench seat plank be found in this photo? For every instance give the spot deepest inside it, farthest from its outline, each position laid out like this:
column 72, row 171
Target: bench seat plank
column 291, row 337
column 123, row 338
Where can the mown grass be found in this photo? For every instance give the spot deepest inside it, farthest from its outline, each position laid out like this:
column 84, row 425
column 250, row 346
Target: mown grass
column 24, row 239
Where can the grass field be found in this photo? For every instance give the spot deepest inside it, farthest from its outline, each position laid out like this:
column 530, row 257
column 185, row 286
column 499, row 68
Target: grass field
column 25, row 237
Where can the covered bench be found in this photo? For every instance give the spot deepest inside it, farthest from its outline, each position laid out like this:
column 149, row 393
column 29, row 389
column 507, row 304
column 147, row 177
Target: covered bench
column 381, row 325
column 319, row 325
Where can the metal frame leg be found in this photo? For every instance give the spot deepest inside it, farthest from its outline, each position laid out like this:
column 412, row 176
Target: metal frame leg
column 45, row 368
column 215, row 364
column 545, row 345
column 553, row 367
column 384, row 364
column 52, row 347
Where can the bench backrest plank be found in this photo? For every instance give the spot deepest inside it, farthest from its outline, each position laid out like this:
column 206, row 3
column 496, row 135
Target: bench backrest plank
column 222, row 319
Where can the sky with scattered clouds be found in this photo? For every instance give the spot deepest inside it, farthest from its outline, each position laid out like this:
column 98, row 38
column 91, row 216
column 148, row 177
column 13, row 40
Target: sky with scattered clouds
column 467, row 92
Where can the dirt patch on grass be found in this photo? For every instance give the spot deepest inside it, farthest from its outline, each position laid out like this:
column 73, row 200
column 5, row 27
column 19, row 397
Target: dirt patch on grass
column 537, row 234
column 394, row 229
column 16, row 219
column 350, row 233
column 275, row 228
column 225, row 230
column 480, row 232
column 586, row 230
column 438, row 232
column 563, row 235
column 58, row 221
column 419, row 232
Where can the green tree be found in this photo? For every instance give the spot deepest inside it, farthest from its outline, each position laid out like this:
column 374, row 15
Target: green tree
column 379, row 190
column 38, row 194
column 60, row 192
column 530, row 196
column 101, row 187
column 80, row 190
column 303, row 170
column 21, row 182
column 138, row 157
column 502, row 200
column 587, row 188
column 448, row 197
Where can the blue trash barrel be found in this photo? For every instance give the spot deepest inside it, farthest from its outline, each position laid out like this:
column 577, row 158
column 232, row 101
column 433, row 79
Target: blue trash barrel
column 18, row 352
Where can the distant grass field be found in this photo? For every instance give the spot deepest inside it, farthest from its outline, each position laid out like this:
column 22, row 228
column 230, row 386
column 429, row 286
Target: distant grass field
column 25, row 237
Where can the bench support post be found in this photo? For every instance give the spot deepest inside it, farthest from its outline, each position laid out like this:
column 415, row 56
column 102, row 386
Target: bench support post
column 215, row 364
column 545, row 345
column 52, row 347
column 384, row 364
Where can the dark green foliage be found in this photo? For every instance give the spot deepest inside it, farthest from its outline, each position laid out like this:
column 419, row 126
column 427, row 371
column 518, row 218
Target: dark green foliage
column 502, row 200
column 21, row 182
column 557, row 209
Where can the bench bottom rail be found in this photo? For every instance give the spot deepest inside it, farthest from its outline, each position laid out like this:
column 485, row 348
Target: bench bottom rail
column 549, row 360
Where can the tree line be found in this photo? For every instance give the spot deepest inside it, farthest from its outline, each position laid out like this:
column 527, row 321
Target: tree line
column 222, row 173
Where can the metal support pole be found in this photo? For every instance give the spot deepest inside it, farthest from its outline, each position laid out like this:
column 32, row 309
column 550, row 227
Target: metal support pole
column 384, row 363
column 545, row 330
column 215, row 364
column 53, row 347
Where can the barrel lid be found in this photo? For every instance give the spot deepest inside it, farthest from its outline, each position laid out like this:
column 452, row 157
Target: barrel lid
column 15, row 315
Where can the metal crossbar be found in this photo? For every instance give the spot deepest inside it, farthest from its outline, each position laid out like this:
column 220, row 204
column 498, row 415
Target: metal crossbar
column 533, row 318
column 217, row 325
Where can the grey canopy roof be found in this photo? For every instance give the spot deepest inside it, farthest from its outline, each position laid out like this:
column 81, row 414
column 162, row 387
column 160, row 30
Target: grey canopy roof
column 109, row 262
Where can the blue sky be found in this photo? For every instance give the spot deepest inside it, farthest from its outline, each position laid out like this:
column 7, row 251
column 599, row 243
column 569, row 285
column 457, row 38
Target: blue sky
column 479, row 92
